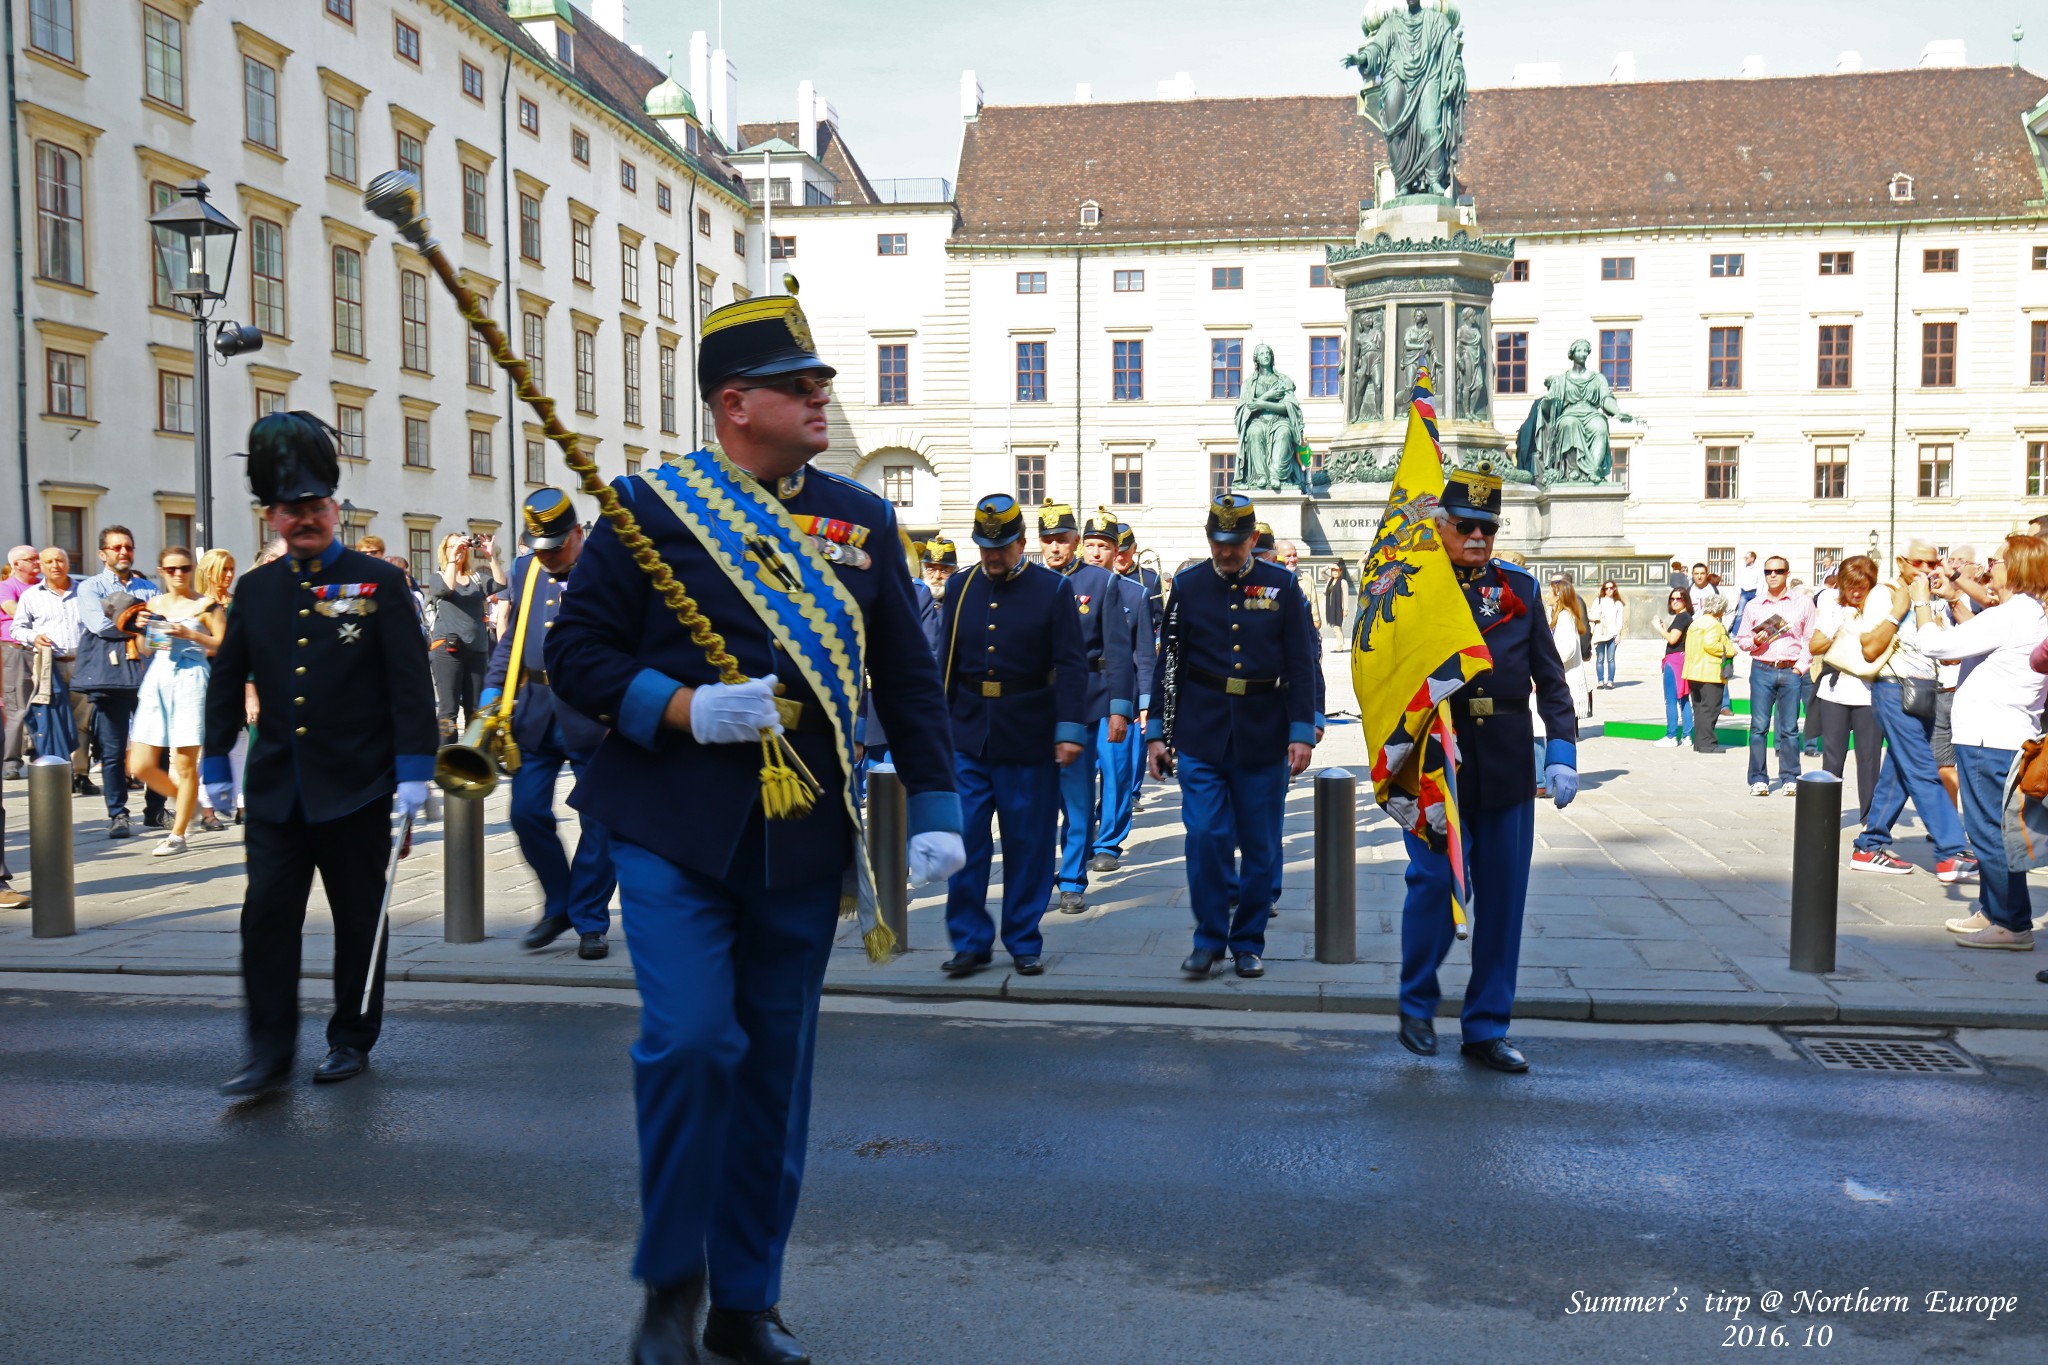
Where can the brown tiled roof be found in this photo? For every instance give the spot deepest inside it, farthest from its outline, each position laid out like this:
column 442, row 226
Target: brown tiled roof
column 1545, row 158
column 611, row 73
column 833, row 155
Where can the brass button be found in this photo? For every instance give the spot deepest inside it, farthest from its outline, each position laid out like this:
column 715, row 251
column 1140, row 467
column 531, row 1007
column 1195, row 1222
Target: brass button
column 302, row 642
column 298, row 701
column 547, row 625
column 606, row 719
column 300, row 731
column 1233, row 625
column 300, row 669
column 1237, row 665
column 991, row 649
column 304, row 611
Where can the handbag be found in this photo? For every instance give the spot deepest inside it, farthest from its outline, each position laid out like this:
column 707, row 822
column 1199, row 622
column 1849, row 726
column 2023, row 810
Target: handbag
column 2034, row 769
column 1916, row 697
column 1845, row 654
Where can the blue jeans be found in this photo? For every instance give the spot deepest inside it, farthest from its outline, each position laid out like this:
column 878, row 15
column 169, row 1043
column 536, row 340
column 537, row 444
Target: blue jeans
column 1774, row 705
column 729, row 972
column 1677, row 709
column 2001, row 892
column 582, row 889
column 1604, row 655
column 1908, row 771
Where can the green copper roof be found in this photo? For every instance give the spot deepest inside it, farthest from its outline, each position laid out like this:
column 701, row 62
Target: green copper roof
column 523, row 10
column 669, row 100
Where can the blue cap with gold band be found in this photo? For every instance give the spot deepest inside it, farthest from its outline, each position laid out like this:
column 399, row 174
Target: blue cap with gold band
column 1472, row 495
column 942, row 552
column 1266, row 542
column 1056, row 518
column 1232, row 519
column 757, row 338
column 1126, row 538
column 1101, row 526
column 548, row 518
column 998, row 521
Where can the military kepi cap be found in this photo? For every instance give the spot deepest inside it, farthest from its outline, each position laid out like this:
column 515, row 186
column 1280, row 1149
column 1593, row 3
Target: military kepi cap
column 1126, row 538
column 1472, row 495
column 1056, row 518
column 1101, row 526
column 998, row 521
column 1266, row 543
column 1232, row 519
column 757, row 338
column 292, row 458
column 942, row 552
column 548, row 517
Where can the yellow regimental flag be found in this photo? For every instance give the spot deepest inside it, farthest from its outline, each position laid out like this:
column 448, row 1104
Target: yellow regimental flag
column 1415, row 645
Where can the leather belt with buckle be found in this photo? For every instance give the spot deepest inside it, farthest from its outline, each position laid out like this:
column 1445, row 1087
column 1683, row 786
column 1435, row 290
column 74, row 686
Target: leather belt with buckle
column 994, row 688
column 800, row 719
column 1482, row 707
column 534, row 675
column 1232, row 686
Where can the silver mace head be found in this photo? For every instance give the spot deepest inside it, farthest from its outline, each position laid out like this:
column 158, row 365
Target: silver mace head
column 395, row 197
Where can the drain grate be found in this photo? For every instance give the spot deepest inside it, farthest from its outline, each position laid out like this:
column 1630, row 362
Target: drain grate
column 1910, row 1056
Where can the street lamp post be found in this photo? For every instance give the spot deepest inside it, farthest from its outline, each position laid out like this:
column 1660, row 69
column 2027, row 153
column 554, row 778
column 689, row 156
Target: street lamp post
column 348, row 521
column 196, row 242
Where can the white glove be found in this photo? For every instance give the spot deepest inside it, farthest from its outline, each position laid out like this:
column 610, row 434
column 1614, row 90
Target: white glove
column 734, row 713
column 220, row 796
column 935, row 857
column 1563, row 783
column 412, row 799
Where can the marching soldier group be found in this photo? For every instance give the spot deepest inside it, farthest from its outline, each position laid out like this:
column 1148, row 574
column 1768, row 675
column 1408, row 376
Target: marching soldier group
column 1064, row 682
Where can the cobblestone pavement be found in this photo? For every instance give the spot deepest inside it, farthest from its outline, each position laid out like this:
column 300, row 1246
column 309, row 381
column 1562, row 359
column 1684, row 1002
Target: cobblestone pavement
column 1661, row 894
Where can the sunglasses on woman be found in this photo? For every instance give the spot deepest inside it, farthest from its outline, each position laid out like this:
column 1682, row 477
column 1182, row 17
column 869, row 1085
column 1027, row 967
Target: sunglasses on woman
column 174, row 568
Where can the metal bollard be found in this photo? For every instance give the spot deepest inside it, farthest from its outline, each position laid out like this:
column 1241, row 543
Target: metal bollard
column 53, row 889
column 1816, row 871
column 888, row 851
column 1336, row 866
column 462, row 885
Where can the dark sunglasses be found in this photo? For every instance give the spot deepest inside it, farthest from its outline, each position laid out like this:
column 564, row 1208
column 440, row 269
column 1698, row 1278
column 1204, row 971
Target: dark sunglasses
column 1467, row 527
column 1778, row 572
column 175, row 568
column 795, row 385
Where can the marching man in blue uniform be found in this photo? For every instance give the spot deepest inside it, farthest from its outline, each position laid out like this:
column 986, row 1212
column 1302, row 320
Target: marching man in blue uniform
column 549, row 733
column 345, row 730
column 729, row 880
column 1236, row 712
column 1496, row 788
column 1111, row 618
column 1109, row 839
column 1118, row 749
column 1016, row 687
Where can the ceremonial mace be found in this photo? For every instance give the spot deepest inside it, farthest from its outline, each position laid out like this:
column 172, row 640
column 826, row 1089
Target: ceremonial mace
column 788, row 790
column 398, row 850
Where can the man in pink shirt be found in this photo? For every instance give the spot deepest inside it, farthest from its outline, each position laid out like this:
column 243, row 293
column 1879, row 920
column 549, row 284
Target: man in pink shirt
column 1773, row 631
column 23, row 573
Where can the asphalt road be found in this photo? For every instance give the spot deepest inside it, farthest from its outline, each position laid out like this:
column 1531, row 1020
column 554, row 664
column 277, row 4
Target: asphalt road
column 1002, row 1189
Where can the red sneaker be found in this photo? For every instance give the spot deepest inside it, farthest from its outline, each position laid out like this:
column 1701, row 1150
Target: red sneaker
column 1951, row 870
column 1879, row 860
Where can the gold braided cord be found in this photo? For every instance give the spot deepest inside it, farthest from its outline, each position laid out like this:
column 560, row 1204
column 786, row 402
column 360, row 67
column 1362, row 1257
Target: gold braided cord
column 786, row 794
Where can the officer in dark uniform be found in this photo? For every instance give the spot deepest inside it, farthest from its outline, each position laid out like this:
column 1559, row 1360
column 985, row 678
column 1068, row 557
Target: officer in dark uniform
column 1016, row 688
column 874, row 736
column 575, row 894
column 1109, row 840
column 1111, row 617
column 1237, row 710
column 331, row 639
column 941, row 562
column 1496, row 789
column 731, row 914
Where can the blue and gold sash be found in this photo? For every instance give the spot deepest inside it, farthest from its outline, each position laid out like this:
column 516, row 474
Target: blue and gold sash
column 777, row 566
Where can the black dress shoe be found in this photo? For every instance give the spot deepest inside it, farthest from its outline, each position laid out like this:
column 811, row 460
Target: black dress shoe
column 668, row 1325
column 258, row 1078
column 1248, row 964
column 550, row 928
column 1418, row 1035
column 84, row 786
column 1030, row 964
column 1104, row 862
column 341, row 1064
column 965, row 964
column 1201, row 962
column 752, row 1338
column 1072, row 902
column 592, row 946
column 1498, row 1054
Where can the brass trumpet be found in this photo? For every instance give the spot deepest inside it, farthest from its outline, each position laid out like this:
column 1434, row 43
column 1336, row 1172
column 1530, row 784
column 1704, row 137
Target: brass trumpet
column 471, row 766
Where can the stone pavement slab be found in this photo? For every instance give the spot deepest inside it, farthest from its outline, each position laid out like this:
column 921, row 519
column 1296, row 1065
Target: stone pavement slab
column 1662, row 894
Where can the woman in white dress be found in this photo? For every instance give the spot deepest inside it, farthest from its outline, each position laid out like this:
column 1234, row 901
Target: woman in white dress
column 170, row 709
column 1610, row 615
column 1568, row 632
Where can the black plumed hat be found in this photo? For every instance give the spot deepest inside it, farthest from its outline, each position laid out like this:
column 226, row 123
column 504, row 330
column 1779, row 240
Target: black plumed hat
column 293, row 456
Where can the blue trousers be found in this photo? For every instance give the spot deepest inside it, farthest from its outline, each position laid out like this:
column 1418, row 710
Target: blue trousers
column 1227, row 810
column 1908, row 770
column 581, row 889
column 1605, row 653
column 1022, row 800
column 1119, row 765
column 1498, row 844
column 1774, row 695
column 1677, row 709
column 729, row 973
column 113, row 715
column 2001, row 890
column 1078, row 815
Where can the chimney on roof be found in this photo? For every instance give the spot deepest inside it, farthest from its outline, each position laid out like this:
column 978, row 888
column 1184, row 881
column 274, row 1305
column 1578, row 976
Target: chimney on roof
column 970, row 97
column 714, row 88
column 1752, row 66
column 1181, row 87
column 1537, row 73
column 1084, row 93
column 1624, row 67
column 612, row 17
column 1945, row 52
column 807, row 118
column 1849, row 61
